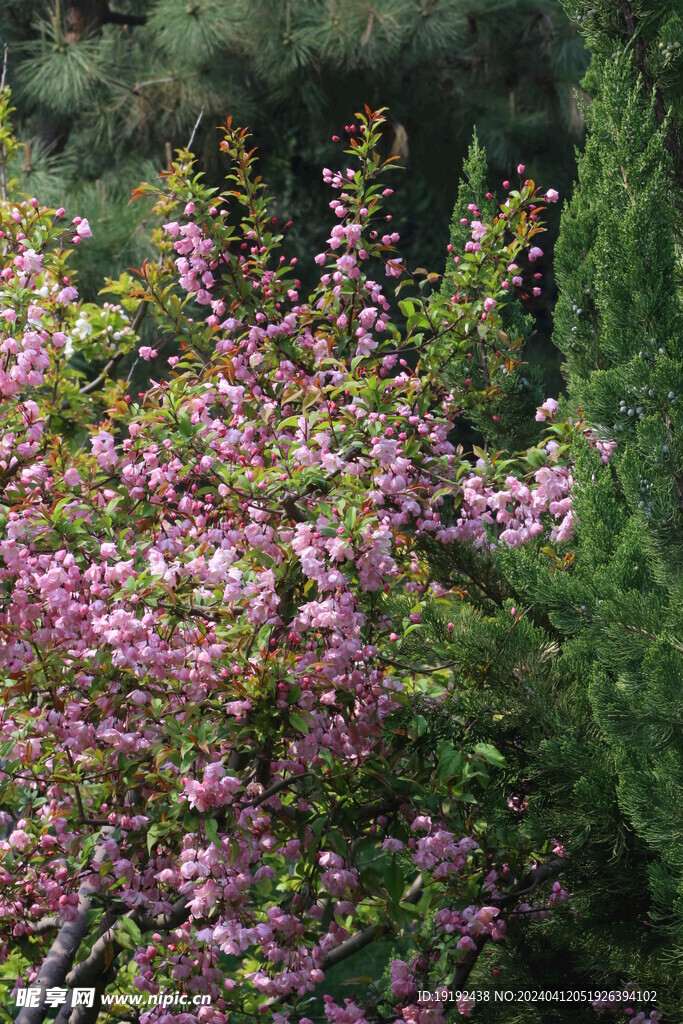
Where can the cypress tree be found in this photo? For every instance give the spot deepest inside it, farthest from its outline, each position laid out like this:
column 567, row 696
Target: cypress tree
column 620, row 327
column 608, row 777
column 579, row 648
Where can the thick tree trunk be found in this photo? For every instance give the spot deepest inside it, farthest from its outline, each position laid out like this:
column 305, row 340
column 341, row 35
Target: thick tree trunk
column 59, row 961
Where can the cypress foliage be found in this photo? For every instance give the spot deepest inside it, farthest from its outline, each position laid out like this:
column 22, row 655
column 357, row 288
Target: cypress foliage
column 580, row 685
column 612, row 779
column 624, row 355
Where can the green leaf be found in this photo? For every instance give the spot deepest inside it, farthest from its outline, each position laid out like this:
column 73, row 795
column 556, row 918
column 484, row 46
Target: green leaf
column 450, row 761
column 371, row 882
column 211, row 829
column 417, row 727
column 394, row 881
column 490, row 755
column 535, row 458
column 128, row 934
column 299, row 722
column 156, row 832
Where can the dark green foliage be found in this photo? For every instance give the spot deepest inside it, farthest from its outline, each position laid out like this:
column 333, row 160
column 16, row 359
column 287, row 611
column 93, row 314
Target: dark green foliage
column 523, row 687
column 582, row 694
column 620, row 607
column 110, row 97
column 473, row 187
column 619, row 248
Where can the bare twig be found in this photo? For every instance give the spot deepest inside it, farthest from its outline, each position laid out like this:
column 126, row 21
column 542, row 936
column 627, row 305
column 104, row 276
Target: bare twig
column 194, row 130
column 100, row 379
column 3, row 167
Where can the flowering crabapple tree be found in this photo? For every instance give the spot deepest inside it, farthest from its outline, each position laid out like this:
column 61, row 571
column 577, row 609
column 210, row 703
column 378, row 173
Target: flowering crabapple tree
column 203, row 784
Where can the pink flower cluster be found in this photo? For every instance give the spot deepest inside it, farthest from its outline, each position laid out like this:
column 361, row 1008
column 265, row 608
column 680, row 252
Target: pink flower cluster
column 472, row 921
column 215, row 790
column 513, row 511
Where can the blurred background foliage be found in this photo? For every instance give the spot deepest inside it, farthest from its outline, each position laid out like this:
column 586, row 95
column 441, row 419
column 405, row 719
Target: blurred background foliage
column 105, row 94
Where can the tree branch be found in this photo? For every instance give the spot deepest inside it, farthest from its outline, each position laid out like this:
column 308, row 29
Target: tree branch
column 59, row 960
column 117, row 357
column 106, row 947
column 117, row 18
column 45, row 924
column 355, row 942
column 94, row 964
column 352, row 945
column 531, row 881
column 3, row 168
column 194, row 130
column 276, row 788
column 363, row 938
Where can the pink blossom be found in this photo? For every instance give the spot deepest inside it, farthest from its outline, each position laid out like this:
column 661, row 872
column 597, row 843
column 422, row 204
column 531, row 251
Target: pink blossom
column 403, row 982
column 19, row 840
column 548, row 409
column 465, row 1004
